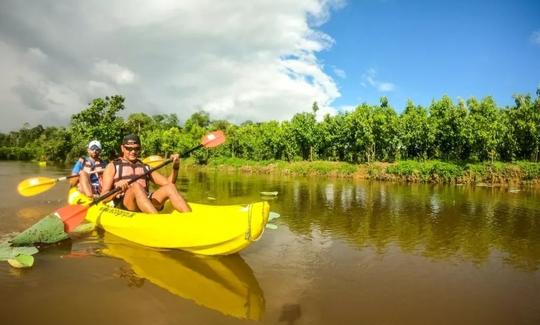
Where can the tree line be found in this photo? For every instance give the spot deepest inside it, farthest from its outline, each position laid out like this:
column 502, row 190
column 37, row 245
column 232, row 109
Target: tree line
column 469, row 130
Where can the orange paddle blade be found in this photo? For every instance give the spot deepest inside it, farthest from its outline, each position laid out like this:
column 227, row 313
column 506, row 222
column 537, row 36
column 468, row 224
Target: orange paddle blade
column 72, row 216
column 213, row 139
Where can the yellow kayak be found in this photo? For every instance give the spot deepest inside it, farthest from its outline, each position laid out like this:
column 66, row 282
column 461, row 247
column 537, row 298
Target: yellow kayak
column 222, row 283
column 206, row 230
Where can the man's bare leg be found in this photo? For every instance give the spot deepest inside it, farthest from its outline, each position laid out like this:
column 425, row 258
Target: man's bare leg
column 84, row 181
column 136, row 199
column 170, row 192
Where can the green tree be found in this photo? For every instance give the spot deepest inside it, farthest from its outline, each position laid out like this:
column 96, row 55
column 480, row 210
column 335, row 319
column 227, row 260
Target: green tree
column 525, row 119
column 166, row 121
column 334, row 139
column 415, row 134
column 304, row 130
column 448, row 122
column 140, row 123
column 484, row 128
column 360, row 134
column 385, row 131
column 99, row 121
column 197, row 121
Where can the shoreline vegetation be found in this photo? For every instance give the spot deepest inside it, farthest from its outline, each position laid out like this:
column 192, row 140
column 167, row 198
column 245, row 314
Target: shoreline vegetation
column 407, row 171
column 471, row 141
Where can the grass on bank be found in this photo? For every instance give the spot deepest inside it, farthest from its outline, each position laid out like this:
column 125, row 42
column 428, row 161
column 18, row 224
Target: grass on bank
column 432, row 171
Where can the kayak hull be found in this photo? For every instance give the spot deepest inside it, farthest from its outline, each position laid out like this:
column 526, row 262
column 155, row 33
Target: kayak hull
column 206, row 230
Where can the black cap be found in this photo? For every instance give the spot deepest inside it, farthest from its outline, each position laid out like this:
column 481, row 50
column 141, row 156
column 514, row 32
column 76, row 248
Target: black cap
column 131, row 139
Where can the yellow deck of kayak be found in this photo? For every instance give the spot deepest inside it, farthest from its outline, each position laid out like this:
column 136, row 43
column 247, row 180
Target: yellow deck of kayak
column 207, row 230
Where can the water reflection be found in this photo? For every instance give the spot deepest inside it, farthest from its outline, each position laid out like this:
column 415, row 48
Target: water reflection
column 440, row 222
column 222, row 283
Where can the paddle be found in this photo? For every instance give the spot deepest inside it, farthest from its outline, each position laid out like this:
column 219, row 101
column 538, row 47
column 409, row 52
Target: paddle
column 73, row 215
column 36, row 185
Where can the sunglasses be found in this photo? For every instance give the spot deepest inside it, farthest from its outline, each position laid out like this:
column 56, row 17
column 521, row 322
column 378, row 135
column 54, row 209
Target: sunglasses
column 134, row 149
column 95, row 149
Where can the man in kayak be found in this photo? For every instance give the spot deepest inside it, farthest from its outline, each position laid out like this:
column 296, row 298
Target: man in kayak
column 89, row 169
column 136, row 196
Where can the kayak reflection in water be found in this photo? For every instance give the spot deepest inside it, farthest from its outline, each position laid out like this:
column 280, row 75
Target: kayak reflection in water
column 222, row 283
column 136, row 196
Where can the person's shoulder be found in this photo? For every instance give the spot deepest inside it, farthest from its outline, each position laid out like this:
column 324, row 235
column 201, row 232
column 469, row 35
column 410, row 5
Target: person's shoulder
column 79, row 161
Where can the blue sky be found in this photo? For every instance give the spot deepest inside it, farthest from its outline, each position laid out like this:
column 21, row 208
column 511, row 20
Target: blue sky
column 421, row 50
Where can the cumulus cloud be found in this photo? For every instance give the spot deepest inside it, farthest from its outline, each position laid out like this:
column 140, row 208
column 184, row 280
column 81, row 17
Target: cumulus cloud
column 369, row 79
column 237, row 60
column 535, row 37
column 339, row 72
column 114, row 72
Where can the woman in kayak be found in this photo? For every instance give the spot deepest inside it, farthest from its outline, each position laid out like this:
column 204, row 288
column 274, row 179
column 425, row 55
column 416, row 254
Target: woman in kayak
column 136, row 196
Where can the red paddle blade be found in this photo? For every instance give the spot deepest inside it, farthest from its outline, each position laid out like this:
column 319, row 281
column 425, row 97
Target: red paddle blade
column 213, row 139
column 72, row 216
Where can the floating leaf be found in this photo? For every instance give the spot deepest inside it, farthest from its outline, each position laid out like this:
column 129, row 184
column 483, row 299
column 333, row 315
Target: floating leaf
column 22, row 261
column 270, row 193
column 273, row 215
column 83, row 228
column 7, row 252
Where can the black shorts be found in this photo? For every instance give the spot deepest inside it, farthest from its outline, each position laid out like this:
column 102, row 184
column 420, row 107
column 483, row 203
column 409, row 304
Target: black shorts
column 119, row 202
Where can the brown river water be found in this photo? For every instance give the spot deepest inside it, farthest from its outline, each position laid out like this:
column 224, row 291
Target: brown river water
column 344, row 252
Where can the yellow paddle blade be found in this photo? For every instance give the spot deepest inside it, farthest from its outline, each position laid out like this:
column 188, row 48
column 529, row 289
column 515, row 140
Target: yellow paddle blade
column 35, row 185
column 153, row 161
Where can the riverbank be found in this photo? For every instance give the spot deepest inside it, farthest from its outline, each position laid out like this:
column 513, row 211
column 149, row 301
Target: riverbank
column 437, row 172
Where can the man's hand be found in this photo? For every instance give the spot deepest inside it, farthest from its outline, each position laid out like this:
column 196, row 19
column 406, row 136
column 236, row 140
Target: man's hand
column 123, row 184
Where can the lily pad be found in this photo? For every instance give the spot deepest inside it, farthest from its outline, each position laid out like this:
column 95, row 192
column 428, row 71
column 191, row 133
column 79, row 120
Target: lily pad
column 7, row 252
column 22, row 261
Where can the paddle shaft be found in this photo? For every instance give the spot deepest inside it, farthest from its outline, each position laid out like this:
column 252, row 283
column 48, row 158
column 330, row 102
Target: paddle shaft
column 148, row 172
column 77, row 175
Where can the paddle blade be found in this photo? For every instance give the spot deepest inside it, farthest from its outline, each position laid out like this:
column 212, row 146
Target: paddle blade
column 72, row 216
column 153, row 161
column 35, row 185
column 213, row 139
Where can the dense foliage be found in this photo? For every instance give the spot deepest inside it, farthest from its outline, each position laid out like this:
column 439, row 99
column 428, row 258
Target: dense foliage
column 466, row 131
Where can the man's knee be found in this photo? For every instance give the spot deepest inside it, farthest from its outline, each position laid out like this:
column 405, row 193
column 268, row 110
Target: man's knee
column 137, row 188
column 169, row 187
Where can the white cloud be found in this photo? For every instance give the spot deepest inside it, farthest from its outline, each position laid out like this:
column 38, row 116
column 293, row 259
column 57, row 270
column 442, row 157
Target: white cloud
column 535, row 37
column 369, row 79
column 114, row 72
column 36, row 54
column 340, row 73
column 235, row 59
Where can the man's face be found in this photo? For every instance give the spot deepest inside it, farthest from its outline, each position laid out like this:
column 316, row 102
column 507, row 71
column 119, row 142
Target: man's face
column 131, row 151
column 94, row 152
